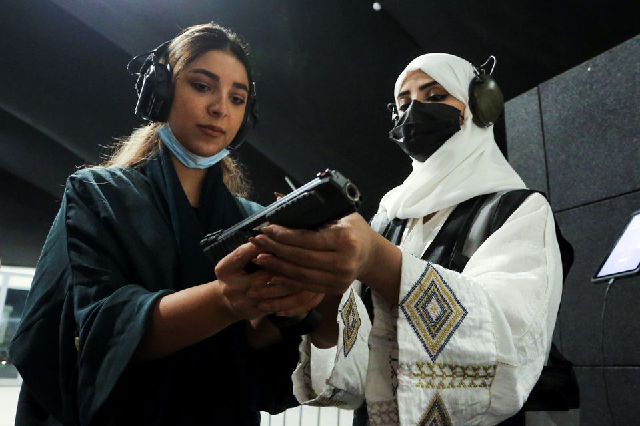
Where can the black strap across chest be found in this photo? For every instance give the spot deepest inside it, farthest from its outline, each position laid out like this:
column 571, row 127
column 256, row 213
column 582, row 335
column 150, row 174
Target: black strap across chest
column 466, row 228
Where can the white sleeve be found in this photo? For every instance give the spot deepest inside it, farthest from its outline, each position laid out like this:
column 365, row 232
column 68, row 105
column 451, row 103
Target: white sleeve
column 344, row 387
column 471, row 346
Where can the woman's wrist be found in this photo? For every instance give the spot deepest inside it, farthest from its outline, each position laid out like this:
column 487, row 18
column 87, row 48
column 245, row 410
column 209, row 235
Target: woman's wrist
column 225, row 309
column 184, row 318
column 382, row 268
column 326, row 335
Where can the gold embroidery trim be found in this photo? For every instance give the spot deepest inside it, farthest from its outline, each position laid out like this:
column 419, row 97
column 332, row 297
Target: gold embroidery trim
column 431, row 375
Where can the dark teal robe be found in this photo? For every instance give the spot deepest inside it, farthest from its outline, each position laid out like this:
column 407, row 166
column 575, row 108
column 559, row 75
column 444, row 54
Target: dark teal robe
column 123, row 238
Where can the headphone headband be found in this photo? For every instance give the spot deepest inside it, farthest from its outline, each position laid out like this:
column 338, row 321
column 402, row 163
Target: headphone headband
column 158, row 51
column 483, row 67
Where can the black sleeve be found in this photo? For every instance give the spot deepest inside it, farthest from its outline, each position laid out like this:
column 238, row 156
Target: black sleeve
column 38, row 348
column 111, row 312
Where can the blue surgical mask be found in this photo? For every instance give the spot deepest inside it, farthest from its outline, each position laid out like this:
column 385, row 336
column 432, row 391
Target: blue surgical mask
column 186, row 157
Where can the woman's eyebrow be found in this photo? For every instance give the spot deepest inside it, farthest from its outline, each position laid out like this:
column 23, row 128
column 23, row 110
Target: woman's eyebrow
column 216, row 77
column 421, row 88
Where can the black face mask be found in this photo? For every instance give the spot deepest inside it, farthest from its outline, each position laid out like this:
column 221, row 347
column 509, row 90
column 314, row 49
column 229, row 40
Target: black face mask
column 424, row 128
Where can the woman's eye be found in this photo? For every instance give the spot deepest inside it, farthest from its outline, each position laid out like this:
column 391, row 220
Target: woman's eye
column 436, row 97
column 237, row 100
column 200, row 87
column 404, row 107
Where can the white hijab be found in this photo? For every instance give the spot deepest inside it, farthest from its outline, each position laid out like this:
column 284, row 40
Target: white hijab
column 468, row 164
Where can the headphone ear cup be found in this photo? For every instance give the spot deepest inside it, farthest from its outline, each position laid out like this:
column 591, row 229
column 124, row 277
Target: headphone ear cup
column 155, row 91
column 250, row 120
column 485, row 100
column 163, row 93
column 144, row 89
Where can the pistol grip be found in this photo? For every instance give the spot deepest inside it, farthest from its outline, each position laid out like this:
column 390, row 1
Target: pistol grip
column 251, row 267
column 296, row 326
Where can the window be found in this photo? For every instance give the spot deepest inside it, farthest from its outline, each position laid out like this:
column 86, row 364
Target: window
column 14, row 287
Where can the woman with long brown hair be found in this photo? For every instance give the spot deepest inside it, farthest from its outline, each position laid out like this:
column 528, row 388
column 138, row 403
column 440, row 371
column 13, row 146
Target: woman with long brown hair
column 127, row 321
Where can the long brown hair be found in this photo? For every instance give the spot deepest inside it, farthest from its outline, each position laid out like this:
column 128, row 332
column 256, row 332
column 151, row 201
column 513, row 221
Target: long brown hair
column 144, row 142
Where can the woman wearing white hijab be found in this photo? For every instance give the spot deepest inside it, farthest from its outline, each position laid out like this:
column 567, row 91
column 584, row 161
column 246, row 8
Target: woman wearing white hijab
column 477, row 362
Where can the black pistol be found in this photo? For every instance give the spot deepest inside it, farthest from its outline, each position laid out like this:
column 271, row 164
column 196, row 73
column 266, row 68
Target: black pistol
column 328, row 197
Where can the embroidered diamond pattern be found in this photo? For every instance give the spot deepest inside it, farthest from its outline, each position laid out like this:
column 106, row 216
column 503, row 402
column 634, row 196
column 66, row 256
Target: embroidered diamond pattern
column 433, row 310
column 436, row 414
column 351, row 321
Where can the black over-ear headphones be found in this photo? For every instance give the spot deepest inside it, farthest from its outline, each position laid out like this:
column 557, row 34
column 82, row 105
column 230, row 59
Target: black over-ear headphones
column 485, row 98
column 154, row 87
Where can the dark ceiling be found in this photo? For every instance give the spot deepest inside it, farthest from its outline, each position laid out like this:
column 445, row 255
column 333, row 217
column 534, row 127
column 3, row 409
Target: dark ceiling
column 325, row 71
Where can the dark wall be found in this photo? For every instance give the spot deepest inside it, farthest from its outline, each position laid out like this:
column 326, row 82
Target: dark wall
column 577, row 137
